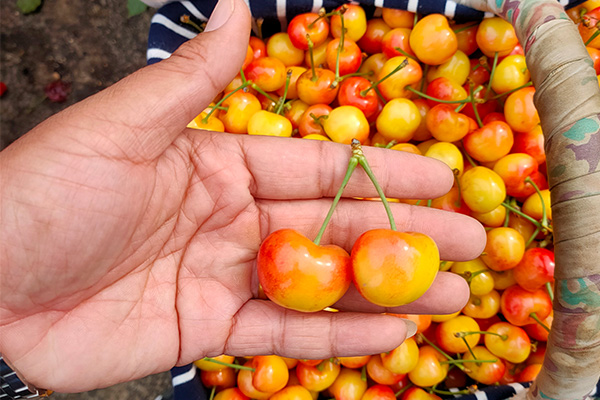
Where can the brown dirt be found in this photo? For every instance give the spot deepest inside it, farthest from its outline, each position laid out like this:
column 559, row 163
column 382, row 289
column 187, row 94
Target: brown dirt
column 90, row 44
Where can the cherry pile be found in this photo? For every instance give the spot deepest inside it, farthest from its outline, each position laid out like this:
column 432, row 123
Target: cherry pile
column 461, row 94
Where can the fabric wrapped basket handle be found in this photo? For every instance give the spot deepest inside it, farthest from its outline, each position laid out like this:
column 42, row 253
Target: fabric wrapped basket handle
column 568, row 101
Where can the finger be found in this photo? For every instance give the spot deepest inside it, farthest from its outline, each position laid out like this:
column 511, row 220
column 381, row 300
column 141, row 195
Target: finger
column 262, row 327
column 157, row 102
column 448, row 294
column 300, row 169
column 459, row 237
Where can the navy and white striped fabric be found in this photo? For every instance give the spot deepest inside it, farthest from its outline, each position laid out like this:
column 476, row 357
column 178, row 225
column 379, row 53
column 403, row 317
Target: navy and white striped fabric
column 167, row 33
column 188, row 386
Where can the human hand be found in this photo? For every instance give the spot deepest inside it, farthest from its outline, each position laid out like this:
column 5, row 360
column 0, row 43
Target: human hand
column 128, row 242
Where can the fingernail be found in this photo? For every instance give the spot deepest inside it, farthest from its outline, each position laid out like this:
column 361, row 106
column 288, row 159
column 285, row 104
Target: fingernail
column 411, row 328
column 220, row 15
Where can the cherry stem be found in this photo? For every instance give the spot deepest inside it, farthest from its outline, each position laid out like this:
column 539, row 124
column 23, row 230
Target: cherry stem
column 404, row 53
column 362, row 160
column 544, row 216
column 259, row 90
column 522, row 214
column 594, row 36
column 341, row 78
column 426, row 96
column 512, row 90
column 470, row 159
column 550, row 291
column 449, row 393
column 404, row 389
column 442, row 352
column 425, row 71
column 468, row 275
column 474, row 106
column 317, row 119
column 492, row 72
column 468, row 361
column 340, row 47
column 464, row 28
column 185, row 19
column 352, row 163
column 458, row 201
column 429, row 201
column 234, row 366
column 212, row 393
column 463, row 334
column 533, row 236
column 537, row 319
column 215, row 107
column 469, row 347
column 259, row 24
column 281, row 101
column 322, row 15
column 376, row 83
column 311, row 45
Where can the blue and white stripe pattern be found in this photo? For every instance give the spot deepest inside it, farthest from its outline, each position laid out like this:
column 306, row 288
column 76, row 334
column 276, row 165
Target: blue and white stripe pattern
column 167, row 32
column 188, row 386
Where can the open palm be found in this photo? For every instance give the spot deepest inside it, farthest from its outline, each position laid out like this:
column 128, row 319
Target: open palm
column 128, row 243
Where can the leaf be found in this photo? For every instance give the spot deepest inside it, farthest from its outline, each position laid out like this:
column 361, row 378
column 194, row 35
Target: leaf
column 28, row 6
column 135, row 7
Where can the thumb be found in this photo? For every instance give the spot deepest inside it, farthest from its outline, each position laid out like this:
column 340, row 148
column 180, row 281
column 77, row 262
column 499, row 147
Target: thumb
column 157, row 102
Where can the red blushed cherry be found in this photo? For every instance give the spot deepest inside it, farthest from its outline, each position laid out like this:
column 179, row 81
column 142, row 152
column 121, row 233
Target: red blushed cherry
column 297, row 274
column 444, row 89
column 370, row 43
column 483, row 109
column 520, row 306
column 316, row 87
column 307, row 25
column 259, row 47
column 350, row 56
column 351, row 94
column 397, row 38
column 535, row 269
column 531, row 143
column 311, row 122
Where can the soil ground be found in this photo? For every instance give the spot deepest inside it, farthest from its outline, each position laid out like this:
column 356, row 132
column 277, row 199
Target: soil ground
column 90, row 44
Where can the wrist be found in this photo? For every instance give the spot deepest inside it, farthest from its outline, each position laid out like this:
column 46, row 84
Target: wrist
column 13, row 386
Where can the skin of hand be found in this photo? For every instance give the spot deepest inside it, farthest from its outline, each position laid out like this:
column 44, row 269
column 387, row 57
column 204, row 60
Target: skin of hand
column 128, row 242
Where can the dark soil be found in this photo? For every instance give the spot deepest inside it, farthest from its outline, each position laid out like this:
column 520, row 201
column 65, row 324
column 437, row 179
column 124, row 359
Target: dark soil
column 90, row 44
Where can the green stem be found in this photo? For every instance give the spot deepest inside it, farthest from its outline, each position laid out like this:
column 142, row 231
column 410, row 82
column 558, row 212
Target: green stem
column 212, row 393
column 550, row 292
column 311, row 45
column 351, row 167
column 522, row 214
column 475, row 110
column 259, row 90
column 213, row 108
column 442, row 352
column 506, row 219
column 464, row 28
column 404, row 389
column 285, row 92
column 532, row 237
column 362, row 160
column 421, row 94
column 492, row 72
column 468, row 275
column 469, row 159
column 234, row 366
column 512, row 90
column 539, row 321
column 469, row 347
column 429, row 201
column 405, row 54
column 376, row 83
column 425, row 71
column 449, row 393
column 458, row 201
column 463, row 334
column 340, row 47
column 594, row 36
column 468, row 361
column 544, row 222
column 188, row 21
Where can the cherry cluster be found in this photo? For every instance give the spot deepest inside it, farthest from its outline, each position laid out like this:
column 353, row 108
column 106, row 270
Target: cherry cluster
column 461, row 94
